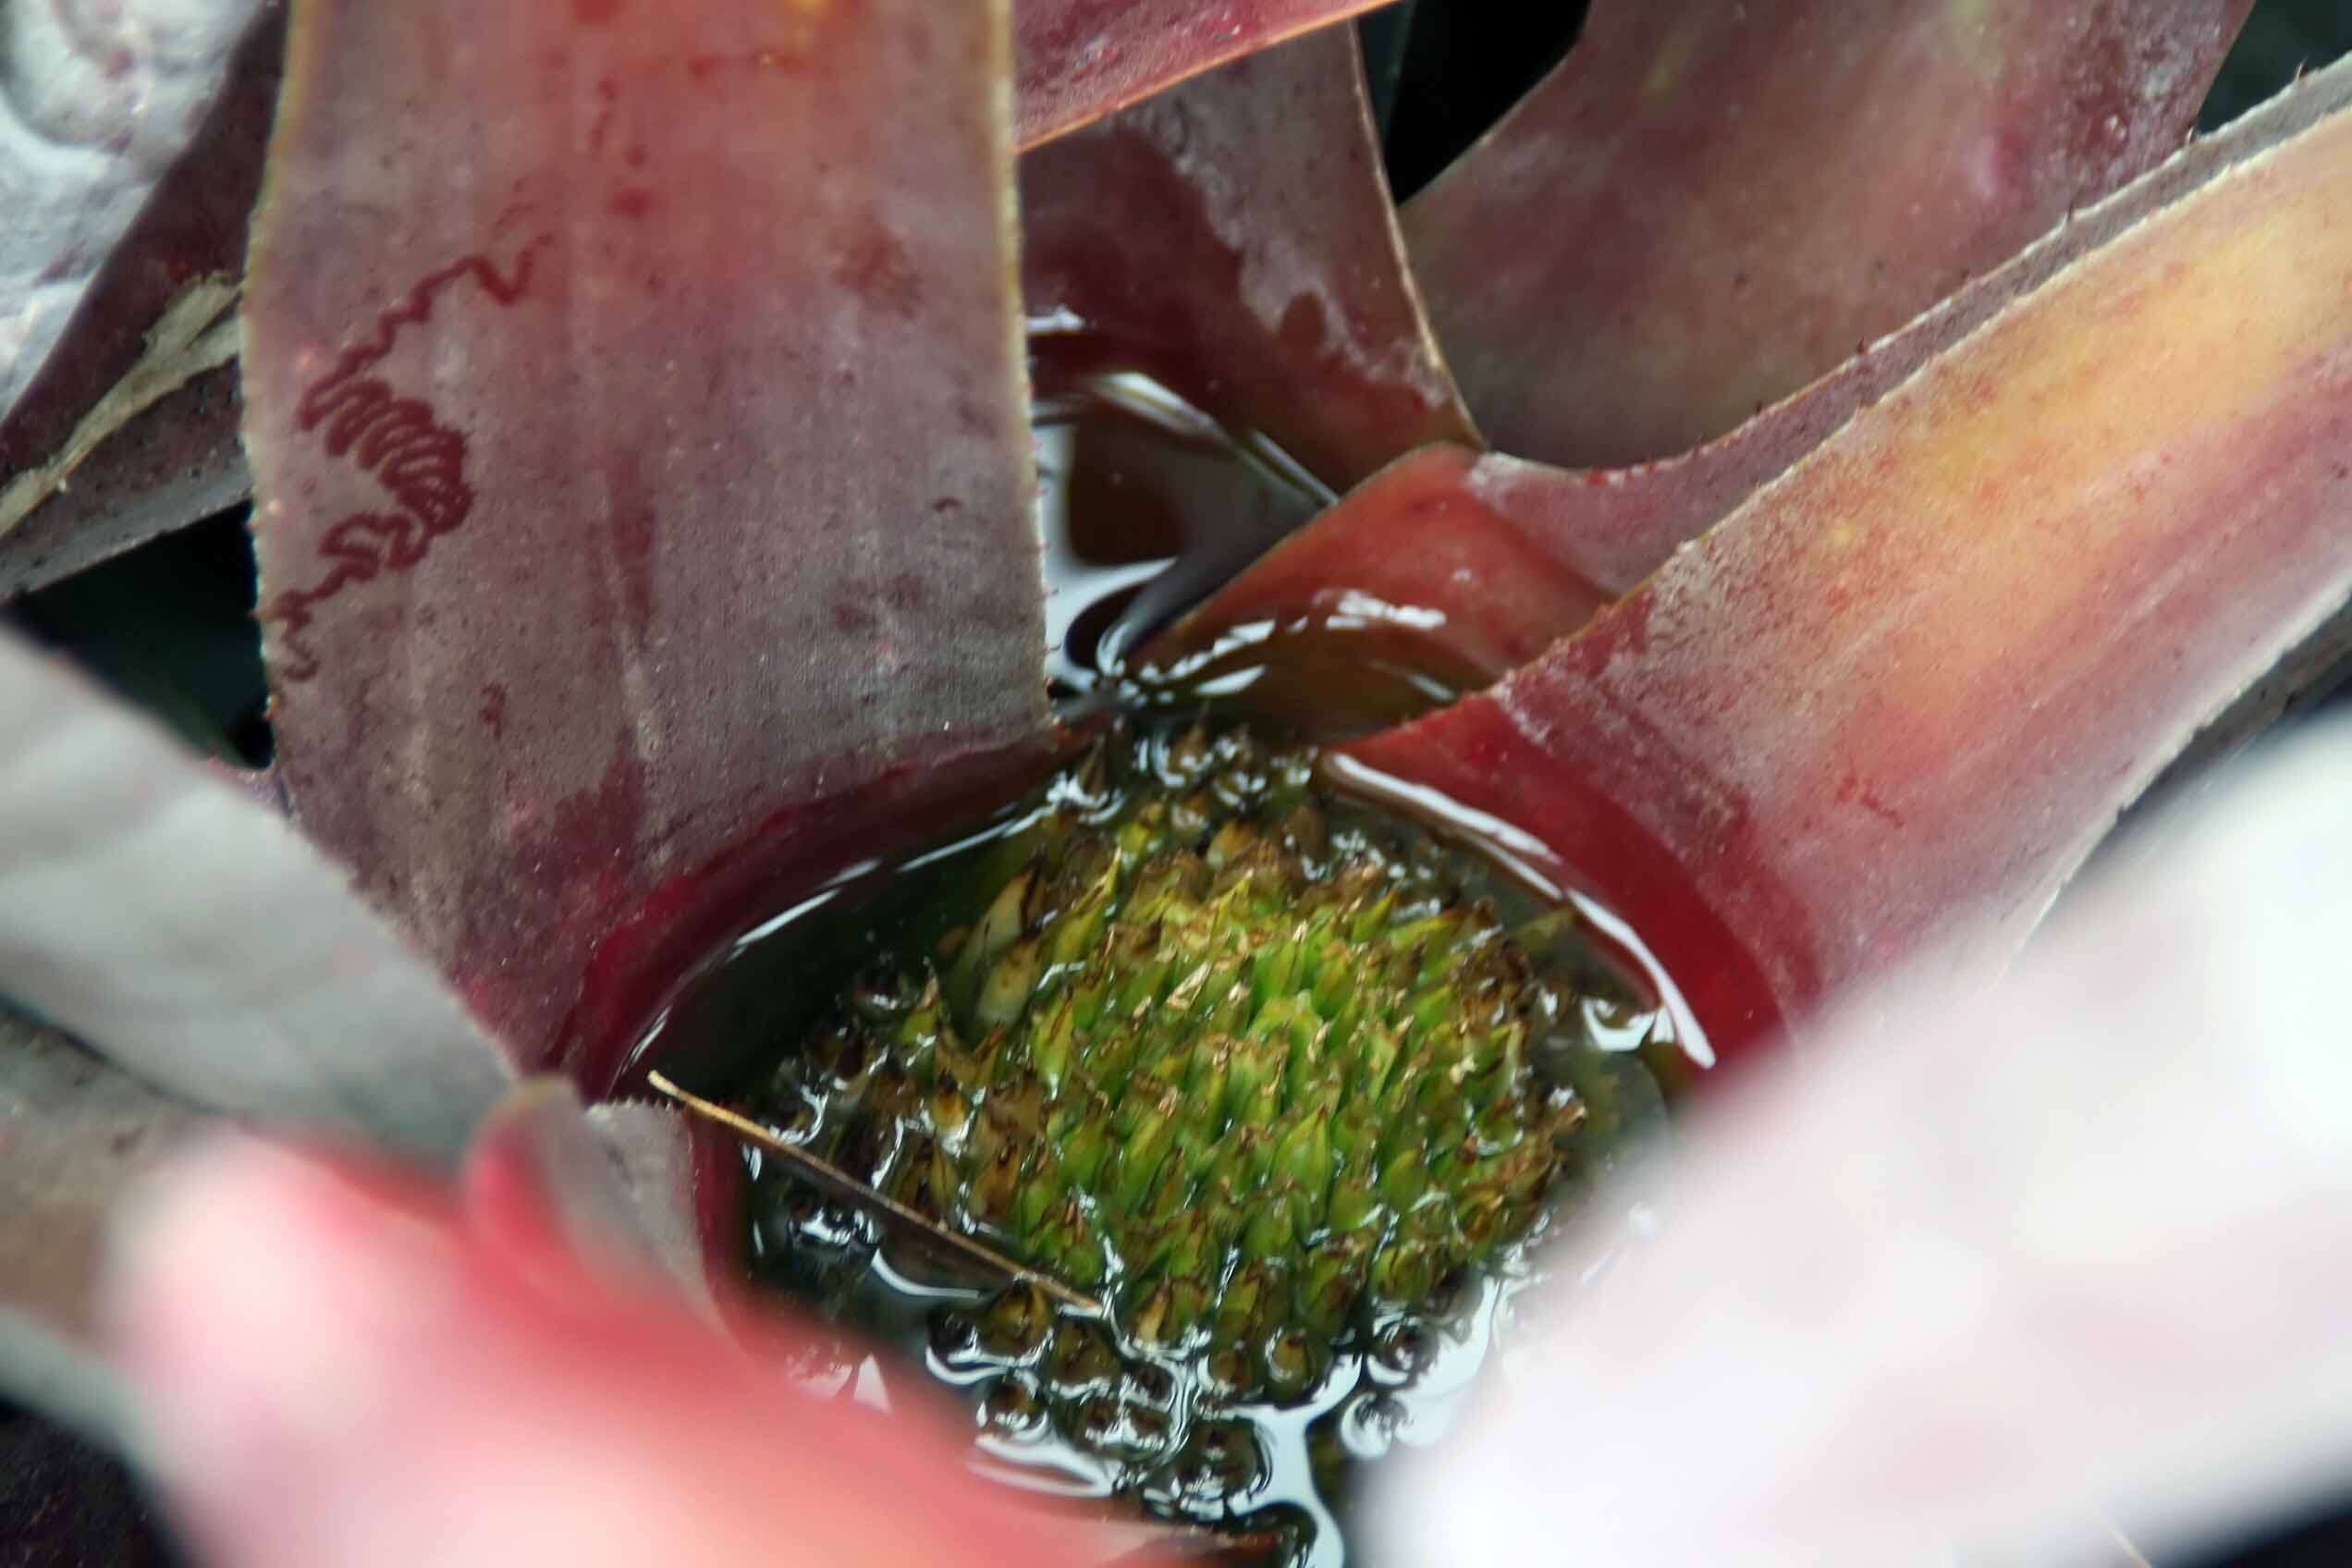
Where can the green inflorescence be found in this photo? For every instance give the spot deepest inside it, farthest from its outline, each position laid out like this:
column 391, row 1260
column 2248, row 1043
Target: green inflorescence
column 1243, row 1079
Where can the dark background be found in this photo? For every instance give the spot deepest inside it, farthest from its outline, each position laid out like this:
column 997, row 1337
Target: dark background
column 168, row 625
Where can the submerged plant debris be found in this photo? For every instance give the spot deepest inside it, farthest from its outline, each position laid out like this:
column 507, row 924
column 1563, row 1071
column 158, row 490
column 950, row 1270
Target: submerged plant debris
column 1280, row 1082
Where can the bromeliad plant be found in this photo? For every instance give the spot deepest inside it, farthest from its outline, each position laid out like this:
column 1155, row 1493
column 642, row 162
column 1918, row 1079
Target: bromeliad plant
column 634, row 402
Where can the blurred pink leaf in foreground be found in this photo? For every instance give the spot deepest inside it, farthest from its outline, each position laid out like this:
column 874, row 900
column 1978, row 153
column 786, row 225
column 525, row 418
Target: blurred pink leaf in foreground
column 1982, row 1256
column 350, row 1368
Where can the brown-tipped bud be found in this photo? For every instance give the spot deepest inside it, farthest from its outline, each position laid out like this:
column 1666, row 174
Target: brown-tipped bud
column 971, row 1067
column 1081, row 1357
column 949, row 1113
column 1044, row 1187
column 1330, row 1280
column 1404, row 1179
column 1405, row 1272
column 1005, row 990
column 1271, row 1228
column 1053, row 1044
column 1295, row 1362
column 1088, row 1147
column 1257, row 1295
column 1067, row 1248
column 1303, row 1160
column 999, row 926
column 1137, row 1163
column 1078, row 932
column 1355, row 1202
column 987, row 1198
column 1016, row 1323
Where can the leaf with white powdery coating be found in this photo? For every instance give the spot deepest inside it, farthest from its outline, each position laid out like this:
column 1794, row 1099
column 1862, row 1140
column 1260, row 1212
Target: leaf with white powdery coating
column 188, row 933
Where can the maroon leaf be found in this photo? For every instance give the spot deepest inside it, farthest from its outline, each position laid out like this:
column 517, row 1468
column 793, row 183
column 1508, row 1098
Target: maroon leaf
column 635, row 397
column 104, row 443
column 1706, row 207
column 1234, row 237
column 1892, row 703
column 1082, row 59
column 1416, row 565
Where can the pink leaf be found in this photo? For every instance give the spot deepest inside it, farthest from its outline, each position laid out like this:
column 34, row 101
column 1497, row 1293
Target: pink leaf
column 1414, row 566
column 634, row 399
column 1706, row 207
column 1986, row 1251
column 343, row 1368
column 1234, row 237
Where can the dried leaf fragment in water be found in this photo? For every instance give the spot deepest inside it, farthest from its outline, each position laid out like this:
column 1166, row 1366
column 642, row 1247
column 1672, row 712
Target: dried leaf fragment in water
column 839, row 1184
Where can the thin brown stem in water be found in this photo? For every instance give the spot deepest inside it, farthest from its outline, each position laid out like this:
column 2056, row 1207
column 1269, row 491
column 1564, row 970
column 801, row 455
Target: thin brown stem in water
column 852, row 1190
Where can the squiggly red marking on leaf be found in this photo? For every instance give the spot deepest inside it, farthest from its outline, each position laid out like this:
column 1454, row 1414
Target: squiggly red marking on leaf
column 419, row 460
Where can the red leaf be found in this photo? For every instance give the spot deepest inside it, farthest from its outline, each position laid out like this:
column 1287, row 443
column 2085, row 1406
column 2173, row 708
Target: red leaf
column 1706, row 207
column 1498, row 544
column 1415, row 566
column 635, row 397
column 1082, row 59
column 1235, row 238
column 1894, row 701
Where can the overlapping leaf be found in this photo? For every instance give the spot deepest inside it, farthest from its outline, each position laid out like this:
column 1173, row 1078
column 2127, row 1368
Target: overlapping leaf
column 1235, row 236
column 1082, row 59
column 186, row 930
column 1706, row 207
column 635, row 400
column 1499, row 545
column 1894, row 701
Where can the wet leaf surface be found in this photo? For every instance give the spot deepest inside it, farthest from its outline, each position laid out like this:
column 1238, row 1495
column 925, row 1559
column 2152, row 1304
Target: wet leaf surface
column 651, row 481
column 1705, row 208
column 1892, row 702
column 1235, row 237
column 1417, row 563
